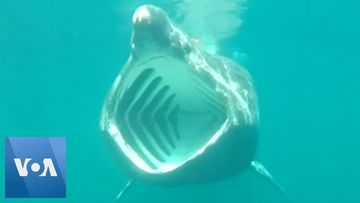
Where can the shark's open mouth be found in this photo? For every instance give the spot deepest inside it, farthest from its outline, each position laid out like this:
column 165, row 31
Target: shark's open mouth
column 165, row 114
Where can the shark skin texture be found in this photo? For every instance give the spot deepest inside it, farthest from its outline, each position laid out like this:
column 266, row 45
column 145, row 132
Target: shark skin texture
column 179, row 116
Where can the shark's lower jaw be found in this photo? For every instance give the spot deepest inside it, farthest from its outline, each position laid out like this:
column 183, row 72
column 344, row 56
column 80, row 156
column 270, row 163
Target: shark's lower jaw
column 166, row 114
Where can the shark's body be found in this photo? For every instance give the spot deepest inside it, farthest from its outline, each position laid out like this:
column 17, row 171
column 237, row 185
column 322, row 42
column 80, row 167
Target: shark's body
column 177, row 115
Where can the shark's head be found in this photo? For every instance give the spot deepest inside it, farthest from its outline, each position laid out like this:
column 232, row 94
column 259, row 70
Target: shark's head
column 154, row 32
column 176, row 114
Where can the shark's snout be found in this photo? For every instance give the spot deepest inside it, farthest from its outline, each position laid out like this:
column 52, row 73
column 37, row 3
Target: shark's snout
column 151, row 27
column 147, row 15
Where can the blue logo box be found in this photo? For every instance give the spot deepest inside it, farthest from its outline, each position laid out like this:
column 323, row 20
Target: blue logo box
column 35, row 167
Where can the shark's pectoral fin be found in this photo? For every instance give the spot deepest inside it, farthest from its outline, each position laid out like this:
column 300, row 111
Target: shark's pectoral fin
column 253, row 185
column 256, row 185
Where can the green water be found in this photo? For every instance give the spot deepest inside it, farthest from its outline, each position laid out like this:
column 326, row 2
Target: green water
column 59, row 58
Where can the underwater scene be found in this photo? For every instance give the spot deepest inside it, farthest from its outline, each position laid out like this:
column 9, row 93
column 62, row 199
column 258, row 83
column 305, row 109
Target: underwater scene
column 193, row 101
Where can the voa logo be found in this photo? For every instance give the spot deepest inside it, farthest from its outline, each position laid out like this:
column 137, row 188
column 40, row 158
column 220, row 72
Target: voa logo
column 35, row 167
column 48, row 166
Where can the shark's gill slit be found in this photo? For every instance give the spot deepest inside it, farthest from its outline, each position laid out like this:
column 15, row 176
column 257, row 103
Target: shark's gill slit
column 151, row 126
column 126, row 111
column 135, row 116
column 173, row 118
column 150, row 118
column 159, row 121
column 162, row 119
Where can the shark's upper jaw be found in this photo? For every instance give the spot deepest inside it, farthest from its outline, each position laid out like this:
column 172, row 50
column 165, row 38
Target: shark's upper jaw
column 151, row 28
column 155, row 34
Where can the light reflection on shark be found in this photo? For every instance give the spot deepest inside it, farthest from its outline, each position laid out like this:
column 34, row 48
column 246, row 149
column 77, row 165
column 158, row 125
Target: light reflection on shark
column 177, row 115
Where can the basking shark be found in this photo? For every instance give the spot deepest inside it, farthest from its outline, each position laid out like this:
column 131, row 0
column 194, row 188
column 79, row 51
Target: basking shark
column 179, row 116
